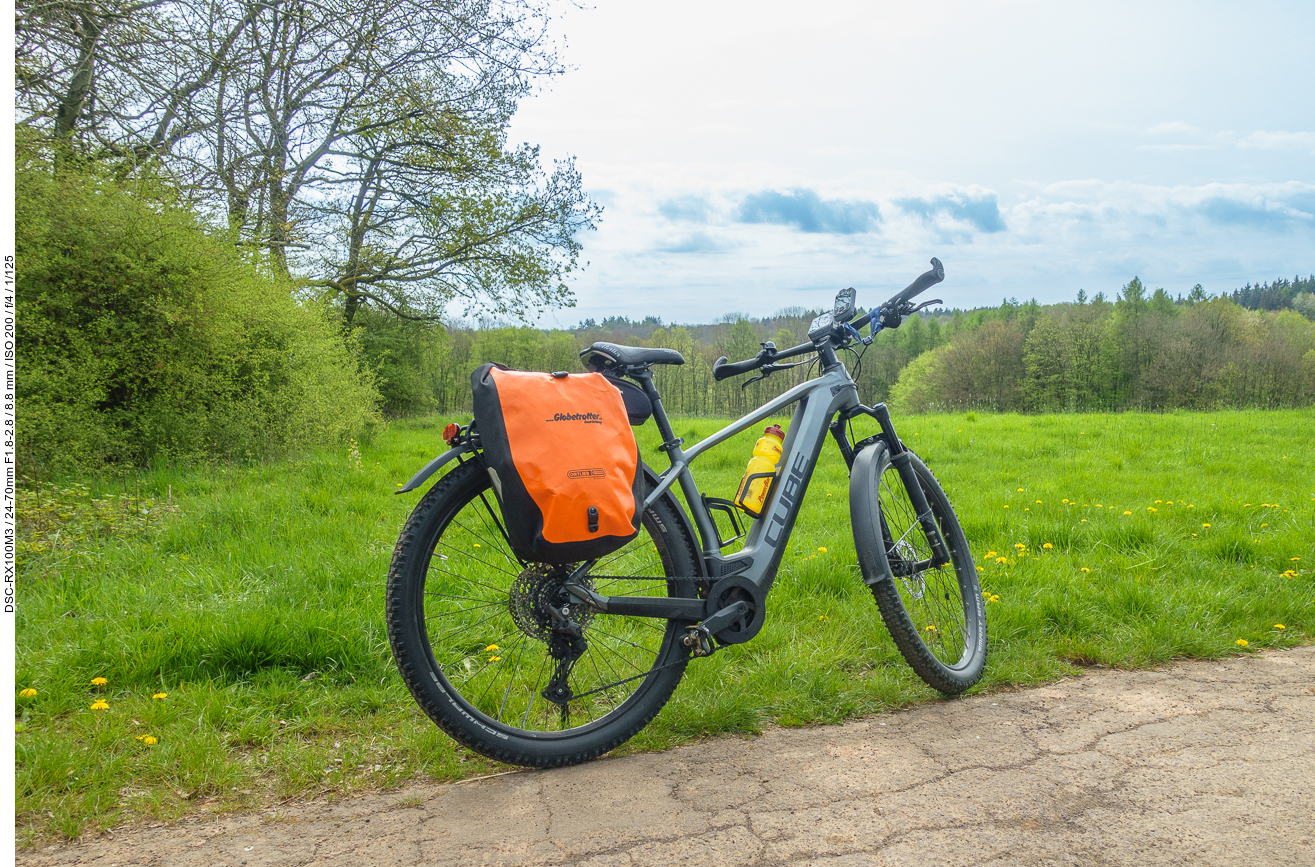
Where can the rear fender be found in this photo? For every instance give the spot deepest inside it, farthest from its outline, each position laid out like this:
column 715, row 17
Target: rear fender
column 433, row 466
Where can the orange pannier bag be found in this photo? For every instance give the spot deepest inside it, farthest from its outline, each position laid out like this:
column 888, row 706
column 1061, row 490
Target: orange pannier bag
column 562, row 459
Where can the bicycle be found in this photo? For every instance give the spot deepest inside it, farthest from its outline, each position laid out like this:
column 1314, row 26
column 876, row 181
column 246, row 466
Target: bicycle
column 542, row 666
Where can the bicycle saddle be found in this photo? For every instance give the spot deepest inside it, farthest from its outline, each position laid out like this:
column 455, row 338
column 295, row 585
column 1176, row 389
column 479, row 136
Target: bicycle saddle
column 602, row 354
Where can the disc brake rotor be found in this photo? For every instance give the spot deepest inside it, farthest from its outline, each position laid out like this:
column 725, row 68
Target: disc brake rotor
column 915, row 583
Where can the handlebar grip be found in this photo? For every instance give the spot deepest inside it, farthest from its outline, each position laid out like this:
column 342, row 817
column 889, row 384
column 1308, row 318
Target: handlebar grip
column 922, row 284
column 723, row 369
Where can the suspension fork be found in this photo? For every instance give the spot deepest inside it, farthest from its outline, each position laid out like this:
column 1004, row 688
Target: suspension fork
column 900, row 458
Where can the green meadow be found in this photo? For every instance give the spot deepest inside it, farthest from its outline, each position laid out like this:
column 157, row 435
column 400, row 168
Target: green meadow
column 235, row 613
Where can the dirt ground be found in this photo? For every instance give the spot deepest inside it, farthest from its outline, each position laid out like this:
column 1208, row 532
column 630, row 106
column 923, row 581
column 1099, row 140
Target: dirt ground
column 1203, row 763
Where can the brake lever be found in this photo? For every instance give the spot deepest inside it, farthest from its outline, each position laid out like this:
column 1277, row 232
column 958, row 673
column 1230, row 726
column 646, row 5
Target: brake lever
column 925, row 304
column 768, row 369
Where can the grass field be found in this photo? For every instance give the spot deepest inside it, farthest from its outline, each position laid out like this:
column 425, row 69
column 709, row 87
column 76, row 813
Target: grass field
column 237, row 621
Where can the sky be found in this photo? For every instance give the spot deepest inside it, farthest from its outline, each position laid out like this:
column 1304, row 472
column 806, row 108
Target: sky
column 756, row 156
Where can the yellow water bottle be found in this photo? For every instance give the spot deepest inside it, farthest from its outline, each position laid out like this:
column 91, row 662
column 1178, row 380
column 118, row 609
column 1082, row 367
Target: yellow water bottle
column 758, row 476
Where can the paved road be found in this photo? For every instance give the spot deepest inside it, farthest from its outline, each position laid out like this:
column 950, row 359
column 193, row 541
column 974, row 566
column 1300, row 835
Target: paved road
column 1204, row 763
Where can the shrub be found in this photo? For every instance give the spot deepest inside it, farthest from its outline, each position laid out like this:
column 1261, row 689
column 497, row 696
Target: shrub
column 143, row 336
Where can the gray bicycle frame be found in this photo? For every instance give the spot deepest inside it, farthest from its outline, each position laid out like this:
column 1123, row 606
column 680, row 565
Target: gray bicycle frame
column 819, row 400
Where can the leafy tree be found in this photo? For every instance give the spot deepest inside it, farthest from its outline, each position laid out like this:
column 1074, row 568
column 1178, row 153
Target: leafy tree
column 360, row 143
column 1047, row 357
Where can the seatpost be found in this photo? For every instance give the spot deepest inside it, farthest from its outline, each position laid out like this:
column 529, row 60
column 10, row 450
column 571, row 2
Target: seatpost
column 671, row 445
column 645, row 379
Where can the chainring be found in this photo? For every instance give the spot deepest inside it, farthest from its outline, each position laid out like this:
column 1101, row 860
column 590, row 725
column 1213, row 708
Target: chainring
column 728, row 591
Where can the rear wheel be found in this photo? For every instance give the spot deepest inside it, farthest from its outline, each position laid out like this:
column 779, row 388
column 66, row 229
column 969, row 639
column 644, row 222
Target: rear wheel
column 935, row 614
column 472, row 630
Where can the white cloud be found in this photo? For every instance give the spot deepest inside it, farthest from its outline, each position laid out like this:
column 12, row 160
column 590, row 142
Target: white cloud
column 1171, row 148
column 1279, row 141
column 1173, row 127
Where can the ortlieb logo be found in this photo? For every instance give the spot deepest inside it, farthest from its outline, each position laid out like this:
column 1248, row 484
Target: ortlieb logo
column 586, row 417
column 586, row 474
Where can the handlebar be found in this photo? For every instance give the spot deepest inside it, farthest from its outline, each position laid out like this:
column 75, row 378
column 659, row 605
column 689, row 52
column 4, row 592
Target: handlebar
column 723, row 368
column 922, row 284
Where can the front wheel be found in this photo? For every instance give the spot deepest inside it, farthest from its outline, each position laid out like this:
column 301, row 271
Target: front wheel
column 472, row 629
column 935, row 614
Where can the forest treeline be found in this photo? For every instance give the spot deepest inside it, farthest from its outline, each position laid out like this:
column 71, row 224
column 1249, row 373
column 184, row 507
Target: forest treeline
column 1143, row 350
column 146, row 334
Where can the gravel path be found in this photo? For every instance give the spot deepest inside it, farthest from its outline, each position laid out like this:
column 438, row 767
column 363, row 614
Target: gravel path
column 1203, row 763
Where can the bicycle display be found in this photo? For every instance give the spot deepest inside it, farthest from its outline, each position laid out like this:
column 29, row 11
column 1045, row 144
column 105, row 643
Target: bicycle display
column 544, row 665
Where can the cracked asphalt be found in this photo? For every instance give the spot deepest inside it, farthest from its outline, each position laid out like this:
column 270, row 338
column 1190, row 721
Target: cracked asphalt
column 1201, row 763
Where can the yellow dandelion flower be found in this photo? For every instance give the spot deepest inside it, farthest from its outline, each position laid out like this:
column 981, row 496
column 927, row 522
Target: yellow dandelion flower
column 1170, row 503
column 1295, row 559
column 98, row 681
column 28, row 693
column 1047, row 545
column 1085, row 569
column 821, row 617
column 495, row 659
column 1019, row 545
column 476, row 544
column 1242, row 642
column 1065, row 500
column 1244, row 505
column 1006, row 507
column 160, row 695
column 1206, row 526
column 823, row 550
column 1002, row 559
column 150, row 740
column 1279, row 626
column 995, row 597
column 1159, row 501
column 491, row 648
column 100, row 704
column 930, row 628
column 1098, row 506
column 1020, row 490
column 1084, row 520
column 1038, row 501
column 990, row 554
column 1291, row 573
column 1127, row 512
column 1152, row 509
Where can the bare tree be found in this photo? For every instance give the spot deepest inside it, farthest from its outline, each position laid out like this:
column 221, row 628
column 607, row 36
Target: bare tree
column 360, row 143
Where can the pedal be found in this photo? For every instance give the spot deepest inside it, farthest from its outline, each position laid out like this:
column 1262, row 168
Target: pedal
column 699, row 640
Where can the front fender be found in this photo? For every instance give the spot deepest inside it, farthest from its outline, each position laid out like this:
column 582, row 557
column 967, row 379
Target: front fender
column 434, row 466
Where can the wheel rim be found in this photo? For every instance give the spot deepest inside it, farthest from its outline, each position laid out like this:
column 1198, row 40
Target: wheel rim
column 932, row 597
column 487, row 622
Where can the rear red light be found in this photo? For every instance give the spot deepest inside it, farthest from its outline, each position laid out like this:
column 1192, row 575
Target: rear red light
column 450, row 432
